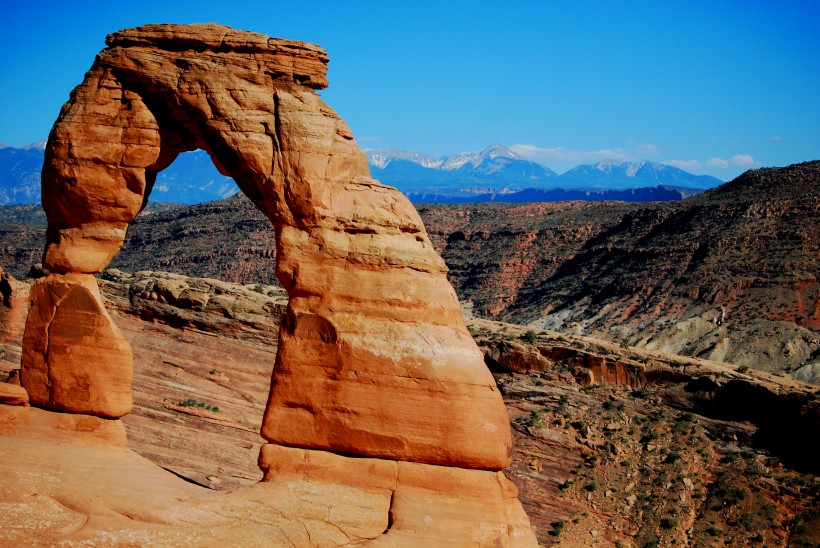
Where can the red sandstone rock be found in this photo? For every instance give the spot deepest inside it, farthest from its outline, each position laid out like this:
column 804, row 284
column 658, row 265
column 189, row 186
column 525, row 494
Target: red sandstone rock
column 428, row 505
column 105, row 495
column 74, row 357
column 32, row 423
column 374, row 356
column 13, row 306
column 13, row 394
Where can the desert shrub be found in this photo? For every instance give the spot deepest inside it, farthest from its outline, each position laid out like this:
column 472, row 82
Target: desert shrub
column 672, row 457
column 610, row 405
column 641, row 392
column 669, row 523
column 530, row 337
column 198, row 405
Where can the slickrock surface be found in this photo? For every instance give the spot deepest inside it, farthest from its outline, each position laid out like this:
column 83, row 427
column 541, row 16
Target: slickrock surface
column 373, row 330
column 100, row 494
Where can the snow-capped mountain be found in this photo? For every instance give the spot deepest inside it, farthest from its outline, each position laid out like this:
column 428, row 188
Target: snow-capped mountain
column 383, row 158
column 41, row 145
column 611, row 174
column 499, row 170
column 494, row 169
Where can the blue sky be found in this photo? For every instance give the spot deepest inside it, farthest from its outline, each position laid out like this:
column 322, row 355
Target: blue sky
column 712, row 87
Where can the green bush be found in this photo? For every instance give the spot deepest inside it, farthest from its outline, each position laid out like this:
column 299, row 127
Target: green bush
column 198, row 405
column 530, row 337
column 669, row 523
column 713, row 531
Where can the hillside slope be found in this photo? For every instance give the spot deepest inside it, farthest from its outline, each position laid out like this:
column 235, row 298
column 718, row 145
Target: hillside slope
column 729, row 275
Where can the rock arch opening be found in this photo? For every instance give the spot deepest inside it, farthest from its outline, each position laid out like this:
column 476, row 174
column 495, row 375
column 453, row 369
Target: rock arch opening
column 192, row 179
column 374, row 331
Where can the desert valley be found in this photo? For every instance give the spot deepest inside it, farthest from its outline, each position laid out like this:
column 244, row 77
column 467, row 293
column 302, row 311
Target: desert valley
column 315, row 361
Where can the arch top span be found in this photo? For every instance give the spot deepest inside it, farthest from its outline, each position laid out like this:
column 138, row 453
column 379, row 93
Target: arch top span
column 287, row 60
column 374, row 358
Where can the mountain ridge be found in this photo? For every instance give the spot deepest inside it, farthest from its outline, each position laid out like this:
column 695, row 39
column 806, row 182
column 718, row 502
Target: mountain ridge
column 499, row 170
column 495, row 173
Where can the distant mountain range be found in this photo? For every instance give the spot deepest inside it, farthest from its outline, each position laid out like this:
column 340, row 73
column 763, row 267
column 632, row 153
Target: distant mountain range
column 660, row 193
column 493, row 174
column 191, row 179
column 495, row 171
column 492, row 170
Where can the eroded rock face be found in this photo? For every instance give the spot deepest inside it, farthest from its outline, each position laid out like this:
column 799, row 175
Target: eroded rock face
column 374, row 358
column 425, row 504
column 74, row 357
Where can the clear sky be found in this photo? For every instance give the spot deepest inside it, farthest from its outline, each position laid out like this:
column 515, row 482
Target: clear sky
column 713, row 87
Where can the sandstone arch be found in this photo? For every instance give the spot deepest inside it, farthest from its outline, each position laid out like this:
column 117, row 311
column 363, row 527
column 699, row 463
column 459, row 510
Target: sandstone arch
column 374, row 358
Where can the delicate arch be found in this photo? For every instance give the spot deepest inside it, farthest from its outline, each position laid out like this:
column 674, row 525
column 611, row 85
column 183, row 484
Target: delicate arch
column 374, row 358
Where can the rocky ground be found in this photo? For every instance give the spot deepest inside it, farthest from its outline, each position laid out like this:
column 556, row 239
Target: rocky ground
column 613, row 445
column 622, row 446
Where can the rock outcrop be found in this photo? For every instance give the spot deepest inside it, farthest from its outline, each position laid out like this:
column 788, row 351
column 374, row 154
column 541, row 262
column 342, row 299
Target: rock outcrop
column 374, row 358
column 74, row 357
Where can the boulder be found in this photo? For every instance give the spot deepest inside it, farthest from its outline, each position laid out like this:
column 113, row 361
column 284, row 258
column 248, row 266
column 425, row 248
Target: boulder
column 74, row 357
column 13, row 394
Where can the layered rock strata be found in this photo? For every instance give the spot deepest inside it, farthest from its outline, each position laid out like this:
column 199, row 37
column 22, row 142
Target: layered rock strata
column 374, row 359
